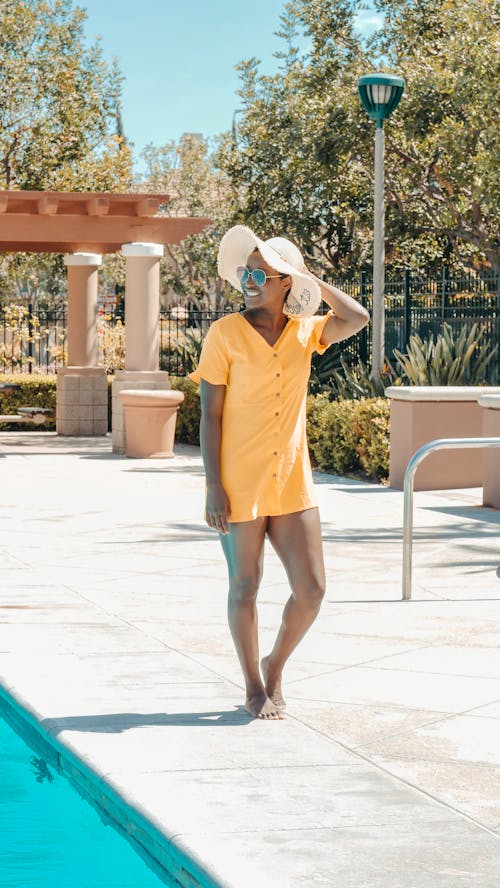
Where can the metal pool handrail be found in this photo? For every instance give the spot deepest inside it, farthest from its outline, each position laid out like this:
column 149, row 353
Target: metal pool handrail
column 422, row 452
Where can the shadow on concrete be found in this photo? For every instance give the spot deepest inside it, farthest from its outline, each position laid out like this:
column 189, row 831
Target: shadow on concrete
column 465, row 531
column 169, row 533
column 474, row 513
column 118, row 722
column 477, row 566
column 173, row 468
column 351, row 485
column 413, row 600
column 44, row 451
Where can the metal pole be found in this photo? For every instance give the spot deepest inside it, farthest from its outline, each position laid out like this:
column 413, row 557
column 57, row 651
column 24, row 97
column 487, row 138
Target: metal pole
column 497, row 325
column 30, row 337
column 438, row 444
column 363, row 339
column 378, row 257
column 407, row 297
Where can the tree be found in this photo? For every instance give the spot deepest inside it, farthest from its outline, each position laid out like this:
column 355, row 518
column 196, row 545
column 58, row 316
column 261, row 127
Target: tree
column 60, row 124
column 445, row 146
column 186, row 171
column 59, row 103
column 300, row 155
column 295, row 146
column 33, row 279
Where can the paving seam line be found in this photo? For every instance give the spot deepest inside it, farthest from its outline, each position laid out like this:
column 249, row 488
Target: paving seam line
column 355, row 752
column 385, row 770
column 164, row 855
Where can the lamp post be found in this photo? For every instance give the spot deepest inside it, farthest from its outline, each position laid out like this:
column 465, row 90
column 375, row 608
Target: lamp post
column 380, row 95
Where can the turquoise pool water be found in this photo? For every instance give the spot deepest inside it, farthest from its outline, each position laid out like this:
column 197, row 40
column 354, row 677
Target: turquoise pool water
column 51, row 837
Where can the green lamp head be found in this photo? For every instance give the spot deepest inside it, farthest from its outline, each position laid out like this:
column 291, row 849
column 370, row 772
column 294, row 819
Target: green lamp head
column 380, row 94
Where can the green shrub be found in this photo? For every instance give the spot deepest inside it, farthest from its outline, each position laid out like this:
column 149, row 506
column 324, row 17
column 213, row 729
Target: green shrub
column 329, row 435
column 316, row 406
column 344, row 436
column 349, row 436
column 37, row 390
column 370, row 429
column 40, row 391
column 187, row 429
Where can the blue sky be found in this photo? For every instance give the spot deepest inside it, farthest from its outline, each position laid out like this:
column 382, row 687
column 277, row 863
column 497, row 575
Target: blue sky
column 178, row 58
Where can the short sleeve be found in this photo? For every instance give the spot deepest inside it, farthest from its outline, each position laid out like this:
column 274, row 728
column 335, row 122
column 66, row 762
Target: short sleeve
column 317, row 326
column 213, row 365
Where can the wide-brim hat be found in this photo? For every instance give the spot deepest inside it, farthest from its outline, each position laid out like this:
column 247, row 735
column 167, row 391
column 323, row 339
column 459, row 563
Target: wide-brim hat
column 282, row 255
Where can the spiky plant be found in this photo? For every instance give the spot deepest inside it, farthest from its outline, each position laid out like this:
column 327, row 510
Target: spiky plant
column 183, row 353
column 355, row 381
column 447, row 361
column 323, row 368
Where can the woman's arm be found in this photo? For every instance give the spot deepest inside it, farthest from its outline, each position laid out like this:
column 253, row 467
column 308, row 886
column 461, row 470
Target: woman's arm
column 349, row 318
column 217, row 509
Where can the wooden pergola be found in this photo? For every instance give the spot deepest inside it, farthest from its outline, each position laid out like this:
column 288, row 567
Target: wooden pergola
column 83, row 221
column 83, row 225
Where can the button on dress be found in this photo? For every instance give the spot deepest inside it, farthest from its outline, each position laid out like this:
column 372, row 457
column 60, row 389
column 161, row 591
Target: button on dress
column 265, row 467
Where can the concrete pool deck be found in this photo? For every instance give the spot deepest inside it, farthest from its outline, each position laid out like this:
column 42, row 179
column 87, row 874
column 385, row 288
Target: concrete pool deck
column 385, row 772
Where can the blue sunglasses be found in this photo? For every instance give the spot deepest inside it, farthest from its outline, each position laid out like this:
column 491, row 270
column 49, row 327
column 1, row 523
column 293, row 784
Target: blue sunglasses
column 258, row 275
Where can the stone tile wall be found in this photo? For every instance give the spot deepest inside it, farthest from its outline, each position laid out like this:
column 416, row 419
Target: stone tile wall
column 82, row 401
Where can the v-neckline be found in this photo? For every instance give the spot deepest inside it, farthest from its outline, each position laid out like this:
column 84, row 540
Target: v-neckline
column 264, row 340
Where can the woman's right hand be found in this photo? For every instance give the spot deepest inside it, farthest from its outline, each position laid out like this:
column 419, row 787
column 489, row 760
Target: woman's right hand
column 217, row 508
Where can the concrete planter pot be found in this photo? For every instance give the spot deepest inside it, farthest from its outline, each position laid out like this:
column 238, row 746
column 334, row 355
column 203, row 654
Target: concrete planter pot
column 150, row 418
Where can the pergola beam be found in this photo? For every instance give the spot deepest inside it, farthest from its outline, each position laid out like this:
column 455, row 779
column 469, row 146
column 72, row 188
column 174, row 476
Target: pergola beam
column 50, row 234
column 81, row 203
column 47, row 205
column 98, row 206
column 148, row 207
column 95, row 222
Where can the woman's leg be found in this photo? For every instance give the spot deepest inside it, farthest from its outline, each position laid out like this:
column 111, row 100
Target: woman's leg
column 244, row 550
column 297, row 540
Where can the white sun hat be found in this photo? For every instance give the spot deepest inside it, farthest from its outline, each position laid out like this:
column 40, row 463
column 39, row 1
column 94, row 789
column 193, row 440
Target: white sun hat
column 235, row 247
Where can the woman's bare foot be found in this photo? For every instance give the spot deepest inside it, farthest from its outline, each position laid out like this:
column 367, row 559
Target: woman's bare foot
column 260, row 706
column 272, row 683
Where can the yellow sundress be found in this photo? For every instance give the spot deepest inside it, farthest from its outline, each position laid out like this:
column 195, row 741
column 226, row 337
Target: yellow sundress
column 265, row 467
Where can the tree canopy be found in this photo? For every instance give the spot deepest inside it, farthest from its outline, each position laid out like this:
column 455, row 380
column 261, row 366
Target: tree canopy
column 60, row 125
column 185, row 170
column 300, row 154
column 444, row 146
column 299, row 157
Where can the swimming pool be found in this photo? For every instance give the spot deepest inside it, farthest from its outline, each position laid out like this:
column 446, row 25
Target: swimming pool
column 51, row 837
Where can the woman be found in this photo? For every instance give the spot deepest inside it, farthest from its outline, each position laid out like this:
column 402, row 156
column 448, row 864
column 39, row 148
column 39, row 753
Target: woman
column 253, row 372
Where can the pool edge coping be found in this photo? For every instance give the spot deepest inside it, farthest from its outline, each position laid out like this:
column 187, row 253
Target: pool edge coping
column 168, row 854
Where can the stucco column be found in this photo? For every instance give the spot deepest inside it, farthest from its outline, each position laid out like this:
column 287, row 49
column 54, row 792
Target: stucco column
column 142, row 306
column 82, row 388
column 142, row 331
column 82, row 308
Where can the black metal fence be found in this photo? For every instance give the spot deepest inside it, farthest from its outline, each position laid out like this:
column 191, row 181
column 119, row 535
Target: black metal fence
column 35, row 341
column 32, row 340
column 421, row 304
